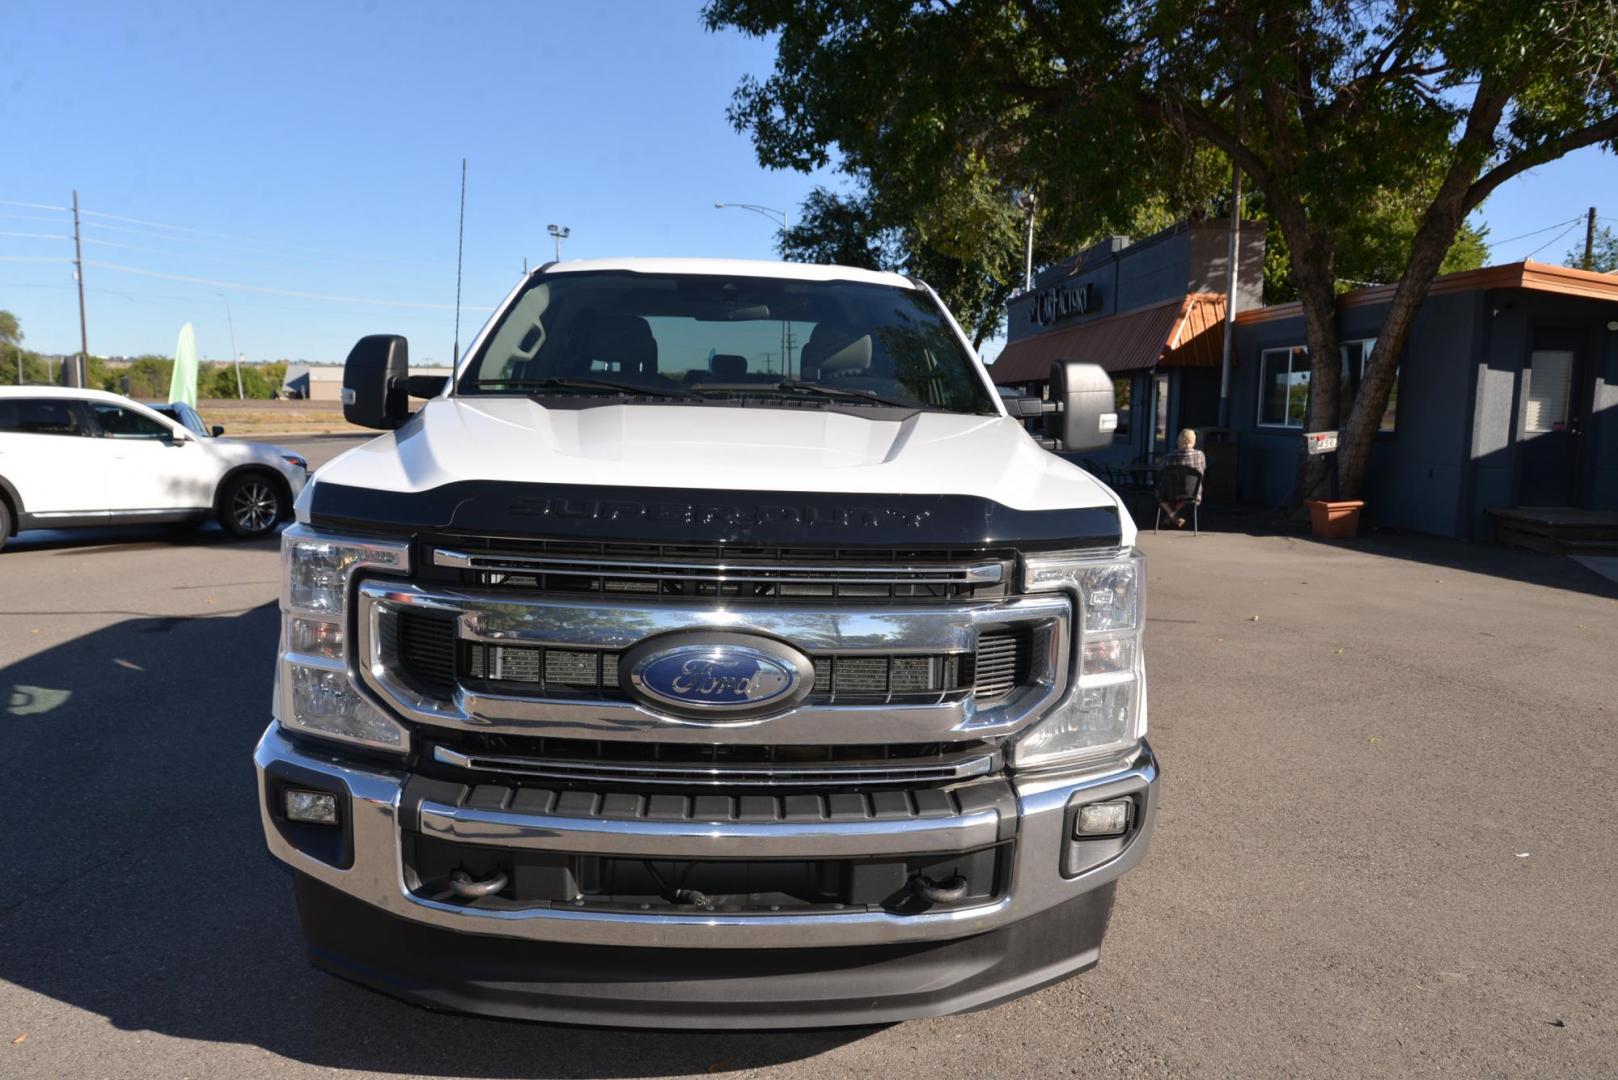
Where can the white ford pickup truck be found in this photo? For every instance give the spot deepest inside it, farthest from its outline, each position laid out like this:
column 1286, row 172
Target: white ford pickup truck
column 715, row 648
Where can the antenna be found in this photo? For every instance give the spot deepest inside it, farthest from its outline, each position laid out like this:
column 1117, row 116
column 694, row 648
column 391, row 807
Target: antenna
column 460, row 241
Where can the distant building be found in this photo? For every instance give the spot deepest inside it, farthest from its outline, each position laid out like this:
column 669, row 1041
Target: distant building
column 1506, row 394
column 324, row 382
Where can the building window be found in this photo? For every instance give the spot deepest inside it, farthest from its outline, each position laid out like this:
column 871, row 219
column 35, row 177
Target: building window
column 1283, row 387
column 1355, row 354
column 1549, row 390
column 1122, row 394
column 1160, row 388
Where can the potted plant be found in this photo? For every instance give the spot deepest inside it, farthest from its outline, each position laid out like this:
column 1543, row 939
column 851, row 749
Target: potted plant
column 1334, row 519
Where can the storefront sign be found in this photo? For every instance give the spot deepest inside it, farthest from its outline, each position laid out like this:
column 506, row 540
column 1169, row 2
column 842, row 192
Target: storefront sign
column 1061, row 301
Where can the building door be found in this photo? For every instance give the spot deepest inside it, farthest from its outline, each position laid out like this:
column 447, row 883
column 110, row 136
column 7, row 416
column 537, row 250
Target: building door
column 1549, row 426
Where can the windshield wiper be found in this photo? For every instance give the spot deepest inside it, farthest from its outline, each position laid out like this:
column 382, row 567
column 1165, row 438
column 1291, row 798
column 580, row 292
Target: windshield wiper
column 563, row 383
column 845, row 392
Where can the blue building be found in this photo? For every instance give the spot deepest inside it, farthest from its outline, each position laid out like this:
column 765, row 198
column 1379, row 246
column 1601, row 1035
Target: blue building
column 1506, row 395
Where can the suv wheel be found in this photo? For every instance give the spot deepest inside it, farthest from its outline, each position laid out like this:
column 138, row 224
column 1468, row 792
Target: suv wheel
column 250, row 505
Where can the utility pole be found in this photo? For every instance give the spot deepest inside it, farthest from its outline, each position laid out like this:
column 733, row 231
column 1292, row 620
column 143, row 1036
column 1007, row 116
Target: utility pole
column 81, row 370
column 1233, row 258
column 1590, row 239
column 232, row 324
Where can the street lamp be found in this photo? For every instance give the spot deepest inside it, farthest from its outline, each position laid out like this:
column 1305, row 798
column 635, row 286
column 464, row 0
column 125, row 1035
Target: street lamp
column 559, row 233
column 232, row 324
column 787, row 342
column 1025, row 201
column 768, row 211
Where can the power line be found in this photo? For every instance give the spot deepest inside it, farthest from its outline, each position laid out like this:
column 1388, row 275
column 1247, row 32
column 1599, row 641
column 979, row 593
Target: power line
column 235, row 238
column 267, row 289
column 32, row 205
column 251, row 249
column 35, row 236
column 35, row 258
column 1497, row 243
column 216, row 256
column 1554, row 239
column 31, row 217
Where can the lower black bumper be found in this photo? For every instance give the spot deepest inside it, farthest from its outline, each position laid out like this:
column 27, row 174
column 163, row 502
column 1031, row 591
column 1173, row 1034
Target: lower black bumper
column 718, row 988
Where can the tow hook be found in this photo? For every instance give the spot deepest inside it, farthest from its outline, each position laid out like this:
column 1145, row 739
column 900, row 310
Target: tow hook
column 948, row 891
column 468, row 888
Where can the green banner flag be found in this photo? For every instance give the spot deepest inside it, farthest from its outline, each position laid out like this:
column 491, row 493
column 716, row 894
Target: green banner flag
column 183, row 386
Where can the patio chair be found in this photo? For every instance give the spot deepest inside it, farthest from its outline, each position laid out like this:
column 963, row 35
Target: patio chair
column 1182, row 484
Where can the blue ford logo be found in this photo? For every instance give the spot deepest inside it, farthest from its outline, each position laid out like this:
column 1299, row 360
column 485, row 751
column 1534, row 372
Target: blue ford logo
column 717, row 675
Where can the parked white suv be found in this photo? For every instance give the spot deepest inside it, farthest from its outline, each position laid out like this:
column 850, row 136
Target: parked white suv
column 72, row 458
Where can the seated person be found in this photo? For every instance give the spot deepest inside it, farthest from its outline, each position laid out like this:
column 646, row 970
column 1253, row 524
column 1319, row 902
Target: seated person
column 1186, row 454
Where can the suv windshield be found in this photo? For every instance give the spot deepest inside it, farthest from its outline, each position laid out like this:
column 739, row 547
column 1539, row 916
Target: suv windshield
column 701, row 337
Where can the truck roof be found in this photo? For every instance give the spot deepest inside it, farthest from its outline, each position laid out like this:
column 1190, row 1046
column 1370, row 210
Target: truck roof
column 734, row 268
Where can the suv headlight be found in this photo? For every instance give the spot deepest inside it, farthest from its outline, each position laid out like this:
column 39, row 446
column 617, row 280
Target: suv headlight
column 1104, row 710
column 315, row 692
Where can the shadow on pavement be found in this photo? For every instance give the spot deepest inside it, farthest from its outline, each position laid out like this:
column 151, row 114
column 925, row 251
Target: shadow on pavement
column 1484, row 557
column 136, row 884
column 110, row 538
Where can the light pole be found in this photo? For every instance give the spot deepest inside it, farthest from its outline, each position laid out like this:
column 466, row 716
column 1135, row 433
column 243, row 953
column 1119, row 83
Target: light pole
column 1025, row 201
column 786, row 223
column 768, row 211
column 230, row 322
column 559, row 233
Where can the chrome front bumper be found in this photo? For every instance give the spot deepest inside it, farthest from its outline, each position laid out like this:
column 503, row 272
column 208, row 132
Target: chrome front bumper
column 375, row 871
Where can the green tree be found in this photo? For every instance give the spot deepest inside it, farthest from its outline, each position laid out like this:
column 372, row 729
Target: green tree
column 10, row 345
column 149, row 377
column 1096, row 104
column 1604, row 254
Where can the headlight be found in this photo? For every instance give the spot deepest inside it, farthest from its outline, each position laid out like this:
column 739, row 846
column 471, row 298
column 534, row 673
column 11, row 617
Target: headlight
column 315, row 692
column 297, row 460
column 1105, row 707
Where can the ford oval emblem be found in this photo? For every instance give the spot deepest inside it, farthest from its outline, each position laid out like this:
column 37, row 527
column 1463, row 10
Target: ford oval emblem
column 717, row 676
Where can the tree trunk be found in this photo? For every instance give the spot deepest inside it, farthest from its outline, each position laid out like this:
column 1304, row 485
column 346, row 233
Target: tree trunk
column 1312, row 273
column 1432, row 241
column 1358, row 435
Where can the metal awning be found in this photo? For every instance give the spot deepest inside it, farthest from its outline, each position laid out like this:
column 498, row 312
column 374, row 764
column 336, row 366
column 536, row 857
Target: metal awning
column 1183, row 332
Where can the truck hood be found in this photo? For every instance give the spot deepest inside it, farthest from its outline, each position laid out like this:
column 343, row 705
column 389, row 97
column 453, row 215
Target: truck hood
column 718, row 448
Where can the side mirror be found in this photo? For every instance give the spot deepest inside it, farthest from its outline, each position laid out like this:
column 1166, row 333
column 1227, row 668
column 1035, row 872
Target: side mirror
column 425, row 386
column 218, row 430
column 1082, row 394
column 374, row 377
column 1020, row 405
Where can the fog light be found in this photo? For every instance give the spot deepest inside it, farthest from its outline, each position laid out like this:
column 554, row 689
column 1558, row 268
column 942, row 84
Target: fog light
column 1103, row 819
column 316, row 807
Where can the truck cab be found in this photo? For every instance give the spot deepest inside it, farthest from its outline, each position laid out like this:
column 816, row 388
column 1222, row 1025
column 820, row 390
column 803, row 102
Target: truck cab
column 712, row 648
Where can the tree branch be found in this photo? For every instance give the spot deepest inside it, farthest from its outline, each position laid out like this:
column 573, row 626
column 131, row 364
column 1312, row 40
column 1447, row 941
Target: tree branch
column 1483, row 186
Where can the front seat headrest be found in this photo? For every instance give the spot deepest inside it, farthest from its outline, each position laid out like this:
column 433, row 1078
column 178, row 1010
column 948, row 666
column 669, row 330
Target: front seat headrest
column 728, row 366
column 835, row 349
column 624, row 343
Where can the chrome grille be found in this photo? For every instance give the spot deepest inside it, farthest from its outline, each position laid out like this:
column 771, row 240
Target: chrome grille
column 527, row 664
column 998, row 667
column 572, row 568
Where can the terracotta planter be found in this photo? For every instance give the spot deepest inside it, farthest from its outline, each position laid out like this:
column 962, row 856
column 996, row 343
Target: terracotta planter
column 1334, row 519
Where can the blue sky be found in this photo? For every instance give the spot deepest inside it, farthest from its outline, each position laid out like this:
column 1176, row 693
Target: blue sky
column 294, row 148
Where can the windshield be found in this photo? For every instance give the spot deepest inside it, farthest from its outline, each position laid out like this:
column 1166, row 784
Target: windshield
column 699, row 337
column 184, row 415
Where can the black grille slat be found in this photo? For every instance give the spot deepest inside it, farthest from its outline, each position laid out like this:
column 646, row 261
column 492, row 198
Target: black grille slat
column 1001, row 664
column 426, row 655
column 711, row 572
column 425, row 645
column 699, row 764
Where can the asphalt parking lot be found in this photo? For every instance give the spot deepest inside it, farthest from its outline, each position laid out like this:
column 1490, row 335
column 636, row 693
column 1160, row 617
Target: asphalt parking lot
column 1386, row 844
